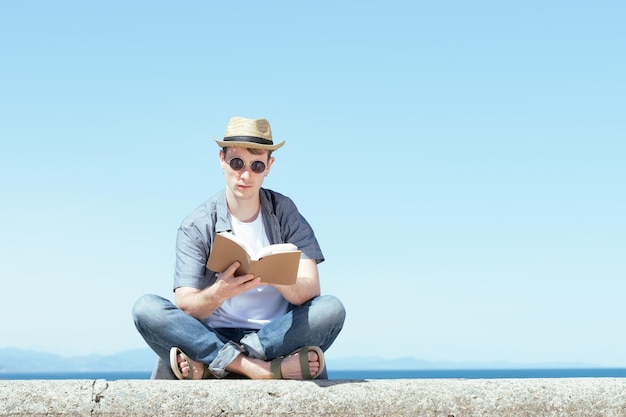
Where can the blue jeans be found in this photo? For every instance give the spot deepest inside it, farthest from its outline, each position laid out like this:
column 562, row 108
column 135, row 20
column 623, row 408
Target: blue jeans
column 162, row 325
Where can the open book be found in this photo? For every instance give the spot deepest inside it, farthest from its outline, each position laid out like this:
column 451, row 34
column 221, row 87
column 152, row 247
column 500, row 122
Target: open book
column 275, row 264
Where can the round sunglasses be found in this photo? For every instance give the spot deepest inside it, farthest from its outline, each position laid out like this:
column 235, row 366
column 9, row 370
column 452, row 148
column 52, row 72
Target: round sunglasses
column 237, row 164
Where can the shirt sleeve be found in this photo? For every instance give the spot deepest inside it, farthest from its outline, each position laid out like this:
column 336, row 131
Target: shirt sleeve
column 191, row 258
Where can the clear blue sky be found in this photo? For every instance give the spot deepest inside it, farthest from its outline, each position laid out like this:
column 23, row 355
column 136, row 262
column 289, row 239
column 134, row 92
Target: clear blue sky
column 463, row 165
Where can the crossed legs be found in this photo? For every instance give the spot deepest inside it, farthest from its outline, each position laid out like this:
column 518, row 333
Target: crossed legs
column 315, row 323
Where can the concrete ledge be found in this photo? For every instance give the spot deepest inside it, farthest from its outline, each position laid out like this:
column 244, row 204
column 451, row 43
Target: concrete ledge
column 435, row 397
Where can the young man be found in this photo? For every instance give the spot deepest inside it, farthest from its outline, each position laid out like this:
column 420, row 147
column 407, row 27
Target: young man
column 225, row 324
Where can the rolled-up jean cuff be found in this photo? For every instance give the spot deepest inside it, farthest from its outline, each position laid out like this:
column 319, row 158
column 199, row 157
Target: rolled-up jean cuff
column 225, row 356
column 253, row 347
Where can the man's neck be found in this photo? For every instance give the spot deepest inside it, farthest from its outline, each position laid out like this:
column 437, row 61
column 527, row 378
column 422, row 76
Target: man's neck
column 244, row 210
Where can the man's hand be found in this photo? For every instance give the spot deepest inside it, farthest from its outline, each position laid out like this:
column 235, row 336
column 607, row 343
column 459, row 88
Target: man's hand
column 228, row 285
column 202, row 303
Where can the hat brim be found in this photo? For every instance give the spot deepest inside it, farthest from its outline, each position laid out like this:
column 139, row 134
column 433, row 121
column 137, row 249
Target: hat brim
column 251, row 145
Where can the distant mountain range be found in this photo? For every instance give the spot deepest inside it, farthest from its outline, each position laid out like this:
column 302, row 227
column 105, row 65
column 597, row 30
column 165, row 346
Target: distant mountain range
column 24, row 361
column 13, row 360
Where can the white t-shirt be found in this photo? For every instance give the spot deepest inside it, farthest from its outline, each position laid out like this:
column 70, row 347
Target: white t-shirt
column 254, row 308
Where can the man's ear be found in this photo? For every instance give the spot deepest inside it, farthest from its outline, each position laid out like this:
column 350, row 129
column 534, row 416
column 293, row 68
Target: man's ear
column 222, row 160
column 269, row 165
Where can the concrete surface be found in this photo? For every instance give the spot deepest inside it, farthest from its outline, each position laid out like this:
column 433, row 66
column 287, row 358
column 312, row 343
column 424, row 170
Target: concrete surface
column 435, row 397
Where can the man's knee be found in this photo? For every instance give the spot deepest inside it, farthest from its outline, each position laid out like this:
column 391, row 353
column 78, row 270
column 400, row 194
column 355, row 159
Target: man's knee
column 331, row 308
column 334, row 305
column 146, row 308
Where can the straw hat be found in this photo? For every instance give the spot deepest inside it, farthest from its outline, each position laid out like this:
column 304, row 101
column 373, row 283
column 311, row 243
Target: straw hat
column 249, row 133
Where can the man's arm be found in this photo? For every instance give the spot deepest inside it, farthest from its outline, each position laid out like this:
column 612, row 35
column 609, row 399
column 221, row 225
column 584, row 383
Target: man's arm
column 307, row 285
column 202, row 303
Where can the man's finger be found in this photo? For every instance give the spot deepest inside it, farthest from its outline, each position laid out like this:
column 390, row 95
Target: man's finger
column 233, row 267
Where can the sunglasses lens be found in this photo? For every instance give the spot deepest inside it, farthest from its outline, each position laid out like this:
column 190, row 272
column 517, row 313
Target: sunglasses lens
column 236, row 163
column 257, row 166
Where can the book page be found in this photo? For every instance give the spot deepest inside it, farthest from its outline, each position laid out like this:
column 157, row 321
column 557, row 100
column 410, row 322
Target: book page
column 276, row 248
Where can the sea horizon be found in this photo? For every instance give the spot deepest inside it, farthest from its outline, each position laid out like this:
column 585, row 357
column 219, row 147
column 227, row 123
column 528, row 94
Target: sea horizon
column 358, row 374
column 138, row 364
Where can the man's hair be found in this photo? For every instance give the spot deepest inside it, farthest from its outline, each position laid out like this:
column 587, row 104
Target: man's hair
column 254, row 151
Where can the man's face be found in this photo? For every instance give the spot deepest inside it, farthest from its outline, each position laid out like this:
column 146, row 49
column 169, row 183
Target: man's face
column 244, row 183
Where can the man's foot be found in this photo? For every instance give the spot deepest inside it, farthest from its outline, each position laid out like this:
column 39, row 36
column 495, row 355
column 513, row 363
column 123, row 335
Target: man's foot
column 183, row 365
column 290, row 366
column 186, row 368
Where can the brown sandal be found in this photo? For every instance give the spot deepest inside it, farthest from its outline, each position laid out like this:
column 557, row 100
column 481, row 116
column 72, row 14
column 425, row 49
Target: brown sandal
column 304, row 363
